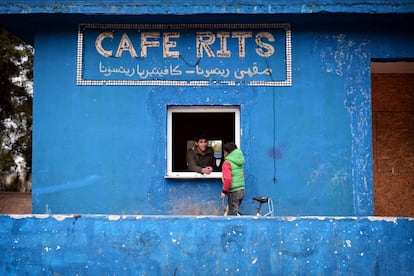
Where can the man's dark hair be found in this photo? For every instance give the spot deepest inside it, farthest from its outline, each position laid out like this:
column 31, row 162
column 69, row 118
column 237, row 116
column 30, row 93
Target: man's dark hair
column 229, row 147
column 201, row 136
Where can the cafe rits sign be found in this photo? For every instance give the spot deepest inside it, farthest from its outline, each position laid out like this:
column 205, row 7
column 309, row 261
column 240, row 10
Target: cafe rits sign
column 184, row 54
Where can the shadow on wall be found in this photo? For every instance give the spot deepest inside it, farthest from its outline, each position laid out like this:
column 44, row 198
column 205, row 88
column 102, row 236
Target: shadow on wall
column 188, row 208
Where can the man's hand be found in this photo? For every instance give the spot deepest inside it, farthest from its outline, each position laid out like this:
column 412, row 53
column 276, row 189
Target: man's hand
column 223, row 195
column 207, row 170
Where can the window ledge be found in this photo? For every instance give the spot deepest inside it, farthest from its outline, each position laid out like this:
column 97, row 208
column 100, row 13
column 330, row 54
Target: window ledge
column 193, row 175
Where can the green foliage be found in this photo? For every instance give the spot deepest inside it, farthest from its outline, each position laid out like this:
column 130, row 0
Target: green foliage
column 16, row 77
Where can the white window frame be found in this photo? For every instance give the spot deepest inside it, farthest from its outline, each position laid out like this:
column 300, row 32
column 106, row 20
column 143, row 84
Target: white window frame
column 197, row 109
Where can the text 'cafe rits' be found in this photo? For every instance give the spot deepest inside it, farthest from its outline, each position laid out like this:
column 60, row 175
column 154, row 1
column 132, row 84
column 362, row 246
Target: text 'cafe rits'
column 203, row 44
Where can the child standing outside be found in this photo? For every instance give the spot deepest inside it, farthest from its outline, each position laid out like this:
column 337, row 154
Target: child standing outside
column 233, row 177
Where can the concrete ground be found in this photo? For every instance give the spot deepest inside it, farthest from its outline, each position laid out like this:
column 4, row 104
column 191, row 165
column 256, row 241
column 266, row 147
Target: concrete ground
column 15, row 203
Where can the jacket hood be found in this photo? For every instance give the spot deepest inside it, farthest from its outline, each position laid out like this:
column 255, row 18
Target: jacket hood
column 236, row 157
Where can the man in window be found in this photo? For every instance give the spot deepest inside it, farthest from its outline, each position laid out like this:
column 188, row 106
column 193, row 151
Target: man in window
column 201, row 158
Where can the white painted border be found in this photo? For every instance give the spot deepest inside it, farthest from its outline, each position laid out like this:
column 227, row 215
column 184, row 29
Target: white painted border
column 195, row 109
column 79, row 67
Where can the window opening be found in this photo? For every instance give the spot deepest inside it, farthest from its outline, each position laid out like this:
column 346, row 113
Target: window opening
column 219, row 123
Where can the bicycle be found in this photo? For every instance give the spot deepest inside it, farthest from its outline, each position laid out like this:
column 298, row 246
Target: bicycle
column 261, row 200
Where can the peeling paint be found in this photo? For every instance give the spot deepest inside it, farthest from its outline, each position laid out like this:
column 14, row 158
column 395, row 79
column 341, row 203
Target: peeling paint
column 114, row 217
column 20, row 216
column 389, row 219
column 41, row 216
column 61, row 217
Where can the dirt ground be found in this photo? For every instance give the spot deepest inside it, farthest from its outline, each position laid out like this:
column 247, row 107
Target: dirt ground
column 15, row 203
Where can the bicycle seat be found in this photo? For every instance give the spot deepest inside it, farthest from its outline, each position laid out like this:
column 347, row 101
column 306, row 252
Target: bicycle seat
column 261, row 199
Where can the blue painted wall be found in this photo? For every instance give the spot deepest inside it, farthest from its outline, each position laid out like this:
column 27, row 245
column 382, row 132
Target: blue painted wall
column 163, row 7
column 128, row 245
column 102, row 149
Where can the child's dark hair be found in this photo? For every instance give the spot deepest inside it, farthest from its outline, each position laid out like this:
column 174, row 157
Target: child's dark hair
column 229, row 147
